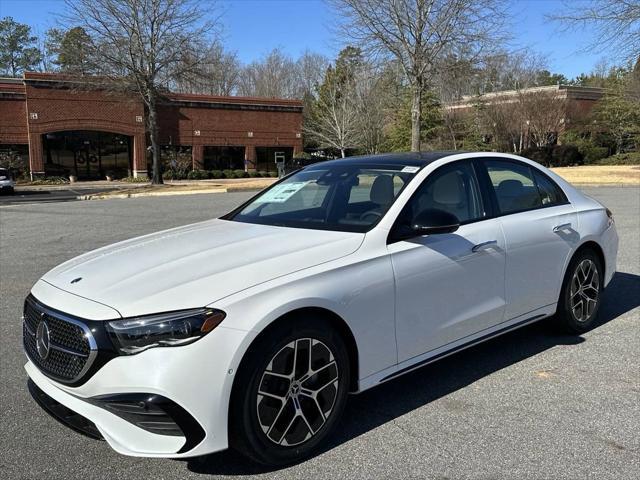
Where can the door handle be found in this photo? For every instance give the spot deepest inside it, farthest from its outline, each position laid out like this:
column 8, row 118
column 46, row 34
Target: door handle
column 559, row 228
column 484, row 245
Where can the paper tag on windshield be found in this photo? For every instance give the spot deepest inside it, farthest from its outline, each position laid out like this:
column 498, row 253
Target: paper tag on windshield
column 281, row 193
column 410, row 169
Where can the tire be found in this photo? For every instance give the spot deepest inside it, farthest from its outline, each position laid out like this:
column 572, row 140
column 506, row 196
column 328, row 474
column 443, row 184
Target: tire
column 581, row 293
column 288, row 425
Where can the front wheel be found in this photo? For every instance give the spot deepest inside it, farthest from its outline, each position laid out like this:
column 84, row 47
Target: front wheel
column 581, row 292
column 289, row 393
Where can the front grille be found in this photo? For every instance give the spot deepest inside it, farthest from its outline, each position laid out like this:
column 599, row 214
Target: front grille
column 69, row 353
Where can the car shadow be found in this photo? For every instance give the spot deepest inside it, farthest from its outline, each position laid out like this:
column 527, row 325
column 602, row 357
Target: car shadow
column 375, row 407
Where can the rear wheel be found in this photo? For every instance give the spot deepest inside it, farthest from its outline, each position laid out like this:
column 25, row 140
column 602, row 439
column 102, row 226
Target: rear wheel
column 289, row 393
column 581, row 292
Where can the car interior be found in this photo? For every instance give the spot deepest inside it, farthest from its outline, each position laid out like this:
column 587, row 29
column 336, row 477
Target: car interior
column 353, row 200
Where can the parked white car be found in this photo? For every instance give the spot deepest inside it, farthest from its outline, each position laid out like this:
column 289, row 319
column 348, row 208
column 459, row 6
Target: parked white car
column 250, row 330
column 7, row 184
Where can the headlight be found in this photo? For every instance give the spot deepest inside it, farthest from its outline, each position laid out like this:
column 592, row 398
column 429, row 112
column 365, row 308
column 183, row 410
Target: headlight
column 134, row 335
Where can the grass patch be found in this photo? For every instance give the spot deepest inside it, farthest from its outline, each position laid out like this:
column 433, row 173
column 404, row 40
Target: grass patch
column 601, row 174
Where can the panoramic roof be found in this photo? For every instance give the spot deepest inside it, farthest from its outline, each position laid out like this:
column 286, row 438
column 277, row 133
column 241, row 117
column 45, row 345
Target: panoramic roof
column 418, row 159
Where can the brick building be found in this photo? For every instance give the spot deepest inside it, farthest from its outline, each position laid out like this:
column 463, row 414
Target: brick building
column 66, row 129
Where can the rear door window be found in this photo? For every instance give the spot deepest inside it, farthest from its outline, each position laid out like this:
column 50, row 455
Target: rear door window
column 514, row 186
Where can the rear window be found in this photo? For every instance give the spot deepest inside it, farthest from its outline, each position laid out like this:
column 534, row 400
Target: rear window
column 514, row 186
column 550, row 192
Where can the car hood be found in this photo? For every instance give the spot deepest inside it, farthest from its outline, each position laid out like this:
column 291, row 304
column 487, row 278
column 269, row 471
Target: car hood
column 195, row 265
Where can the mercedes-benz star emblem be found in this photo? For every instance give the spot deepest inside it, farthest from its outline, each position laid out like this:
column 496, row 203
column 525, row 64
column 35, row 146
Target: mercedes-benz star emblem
column 43, row 340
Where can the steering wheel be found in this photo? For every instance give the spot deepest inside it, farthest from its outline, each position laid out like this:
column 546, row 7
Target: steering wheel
column 371, row 213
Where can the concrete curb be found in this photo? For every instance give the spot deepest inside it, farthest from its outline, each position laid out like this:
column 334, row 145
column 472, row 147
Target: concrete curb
column 597, row 185
column 106, row 196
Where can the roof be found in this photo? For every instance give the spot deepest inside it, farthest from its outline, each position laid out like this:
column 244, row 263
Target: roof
column 574, row 92
column 47, row 78
column 414, row 159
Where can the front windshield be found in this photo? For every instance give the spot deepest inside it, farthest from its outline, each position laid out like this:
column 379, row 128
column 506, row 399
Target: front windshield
column 343, row 197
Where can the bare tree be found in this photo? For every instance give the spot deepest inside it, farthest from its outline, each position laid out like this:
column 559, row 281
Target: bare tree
column 333, row 121
column 374, row 96
column 218, row 73
column 520, row 119
column 310, row 68
column 418, row 32
column 544, row 112
column 141, row 45
column 616, row 24
column 273, row 76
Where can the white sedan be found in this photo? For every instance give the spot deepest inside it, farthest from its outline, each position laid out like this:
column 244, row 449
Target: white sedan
column 250, row 330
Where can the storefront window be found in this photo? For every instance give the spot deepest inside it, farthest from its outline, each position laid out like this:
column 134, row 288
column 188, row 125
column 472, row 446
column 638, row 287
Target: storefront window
column 87, row 154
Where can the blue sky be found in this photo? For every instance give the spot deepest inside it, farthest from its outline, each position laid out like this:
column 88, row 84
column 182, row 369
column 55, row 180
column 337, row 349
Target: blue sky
column 254, row 27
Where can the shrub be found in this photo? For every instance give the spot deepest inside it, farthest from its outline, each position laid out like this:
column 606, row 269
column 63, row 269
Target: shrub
column 262, row 173
column 273, row 174
column 240, row 174
column 216, row 174
column 566, row 156
column 556, row 156
column 197, row 175
column 50, row 181
column 629, row 158
column 302, row 156
column 228, row 173
column 593, row 155
column 172, row 174
column 135, row 180
column 541, row 155
column 254, row 174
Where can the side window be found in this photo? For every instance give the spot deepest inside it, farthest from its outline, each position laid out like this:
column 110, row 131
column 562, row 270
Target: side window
column 550, row 193
column 514, row 186
column 452, row 188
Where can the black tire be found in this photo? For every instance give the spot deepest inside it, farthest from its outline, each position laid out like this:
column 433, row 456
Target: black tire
column 570, row 317
column 250, row 430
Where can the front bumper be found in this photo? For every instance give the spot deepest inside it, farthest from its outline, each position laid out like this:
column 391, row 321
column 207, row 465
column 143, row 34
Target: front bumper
column 196, row 377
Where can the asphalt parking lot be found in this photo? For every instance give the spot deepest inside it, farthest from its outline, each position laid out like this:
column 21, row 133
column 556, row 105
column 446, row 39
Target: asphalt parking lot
column 528, row 405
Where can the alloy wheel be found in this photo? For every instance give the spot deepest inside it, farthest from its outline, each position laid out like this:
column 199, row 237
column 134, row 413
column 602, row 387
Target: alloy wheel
column 297, row 392
column 585, row 288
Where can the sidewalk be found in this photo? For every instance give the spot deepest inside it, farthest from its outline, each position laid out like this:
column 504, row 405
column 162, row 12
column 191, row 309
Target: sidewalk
column 233, row 183
column 182, row 187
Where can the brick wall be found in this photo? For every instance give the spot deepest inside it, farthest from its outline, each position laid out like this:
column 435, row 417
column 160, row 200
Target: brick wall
column 45, row 103
column 13, row 114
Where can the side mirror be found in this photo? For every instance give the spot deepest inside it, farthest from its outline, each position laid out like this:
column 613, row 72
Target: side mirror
column 433, row 221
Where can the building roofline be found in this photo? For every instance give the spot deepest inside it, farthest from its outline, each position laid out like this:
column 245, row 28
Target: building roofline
column 57, row 78
column 571, row 91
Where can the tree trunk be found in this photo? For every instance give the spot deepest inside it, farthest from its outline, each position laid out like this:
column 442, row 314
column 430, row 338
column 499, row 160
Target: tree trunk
column 153, row 136
column 342, row 152
column 416, row 114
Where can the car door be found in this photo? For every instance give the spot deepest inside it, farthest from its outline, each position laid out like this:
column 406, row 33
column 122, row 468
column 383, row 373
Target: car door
column 448, row 286
column 538, row 224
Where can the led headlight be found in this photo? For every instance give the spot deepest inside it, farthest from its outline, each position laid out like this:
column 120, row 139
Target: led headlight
column 134, row 335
